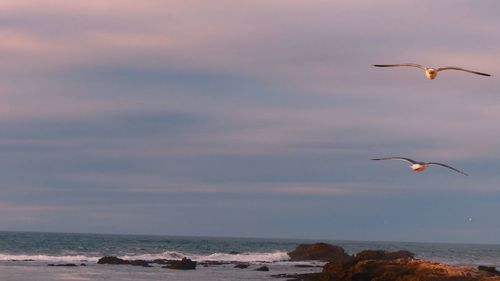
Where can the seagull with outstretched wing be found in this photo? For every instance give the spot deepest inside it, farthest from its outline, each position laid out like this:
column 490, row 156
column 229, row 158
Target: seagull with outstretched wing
column 418, row 166
column 431, row 72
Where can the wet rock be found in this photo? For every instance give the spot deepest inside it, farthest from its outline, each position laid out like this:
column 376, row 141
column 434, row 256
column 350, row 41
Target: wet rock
column 115, row 260
column 161, row 261
column 402, row 269
column 214, row 263
column 262, row 268
column 490, row 269
column 298, row 277
column 338, row 269
column 139, row 263
column 82, row 264
column 383, row 255
column 111, row 260
column 234, row 253
column 306, row 265
column 317, row 251
column 62, row 264
column 184, row 264
column 242, row 265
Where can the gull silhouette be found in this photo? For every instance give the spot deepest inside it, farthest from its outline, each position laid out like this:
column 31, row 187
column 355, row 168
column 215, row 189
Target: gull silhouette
column 431, row 72
column 418, row 166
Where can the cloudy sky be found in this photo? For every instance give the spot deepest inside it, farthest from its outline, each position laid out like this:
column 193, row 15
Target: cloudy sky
column 249, row 118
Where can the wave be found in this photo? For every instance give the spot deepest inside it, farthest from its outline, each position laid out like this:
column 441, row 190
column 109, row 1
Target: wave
column 223, row 257
column 68, row 258
column 251, row 257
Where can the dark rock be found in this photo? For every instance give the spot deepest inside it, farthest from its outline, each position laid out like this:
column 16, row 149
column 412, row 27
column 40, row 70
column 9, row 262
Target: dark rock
column 184, row 264
column 139, row 263
column 234, row 253
column 62, row 264
column 213, row 263
column 403, row 269
column 82, row 264
column 111, row 260
column 306, row 265
column 298, row 277
column 317, row 251
column 490, row 269
column 161, row 261
column 115, row 260
column 242, row 265
column 383, row 255
column 338, row 269
column 262, row 268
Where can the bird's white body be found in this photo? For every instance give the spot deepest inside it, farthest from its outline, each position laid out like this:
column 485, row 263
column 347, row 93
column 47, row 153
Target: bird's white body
column 419, row 167
column 431, row 73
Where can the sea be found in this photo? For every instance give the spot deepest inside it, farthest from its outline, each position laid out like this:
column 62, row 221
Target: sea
column 26, row 256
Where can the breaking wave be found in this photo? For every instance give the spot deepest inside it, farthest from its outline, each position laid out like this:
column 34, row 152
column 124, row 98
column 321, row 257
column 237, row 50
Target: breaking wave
column 169, row 255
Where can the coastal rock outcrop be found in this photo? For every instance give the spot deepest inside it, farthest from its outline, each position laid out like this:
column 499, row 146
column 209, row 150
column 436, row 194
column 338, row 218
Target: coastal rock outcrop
column 490, row 269
column 318, row 251
column 115, row 260
column 262, row 268
column 383, row 255
column 112, row 260
column 384, row 267
column 184, row 264
column 62, row 264
column 242, row 265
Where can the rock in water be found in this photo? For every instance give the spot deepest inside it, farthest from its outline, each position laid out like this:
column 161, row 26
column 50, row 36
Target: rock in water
column 111, row 260
column 242, row 265
column 183, row 264
column 115, row 260
column 62, row 264
column 139, row 263
column 490, row 269
column 263, row 268
column 318, row 251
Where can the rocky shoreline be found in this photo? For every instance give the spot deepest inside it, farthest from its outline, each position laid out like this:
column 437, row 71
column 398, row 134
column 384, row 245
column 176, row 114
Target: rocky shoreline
column 375, row 265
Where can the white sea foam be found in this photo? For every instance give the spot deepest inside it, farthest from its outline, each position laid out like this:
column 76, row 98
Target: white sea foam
column 245, row 257
column 68, row 258
column 241, row 257
column 170, row 255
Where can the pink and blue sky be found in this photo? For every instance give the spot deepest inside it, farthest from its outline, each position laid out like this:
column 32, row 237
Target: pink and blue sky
column 249, row 118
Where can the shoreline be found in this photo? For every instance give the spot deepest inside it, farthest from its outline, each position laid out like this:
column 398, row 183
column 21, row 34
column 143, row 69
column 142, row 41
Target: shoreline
column 60, row 257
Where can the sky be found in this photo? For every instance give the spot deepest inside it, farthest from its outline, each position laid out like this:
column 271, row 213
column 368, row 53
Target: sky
column 250, row 118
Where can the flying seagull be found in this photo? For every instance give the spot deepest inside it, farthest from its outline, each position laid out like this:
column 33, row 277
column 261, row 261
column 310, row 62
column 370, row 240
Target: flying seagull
column 431, row 72
column 417, row 166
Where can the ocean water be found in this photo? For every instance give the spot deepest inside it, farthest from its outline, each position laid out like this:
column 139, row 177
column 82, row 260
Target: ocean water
column 25, row 256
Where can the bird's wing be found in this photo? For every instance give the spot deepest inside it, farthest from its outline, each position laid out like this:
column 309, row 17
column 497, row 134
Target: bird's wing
column 400, row 64
column 397, row 158
column 462, row 69
column 446, row 166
